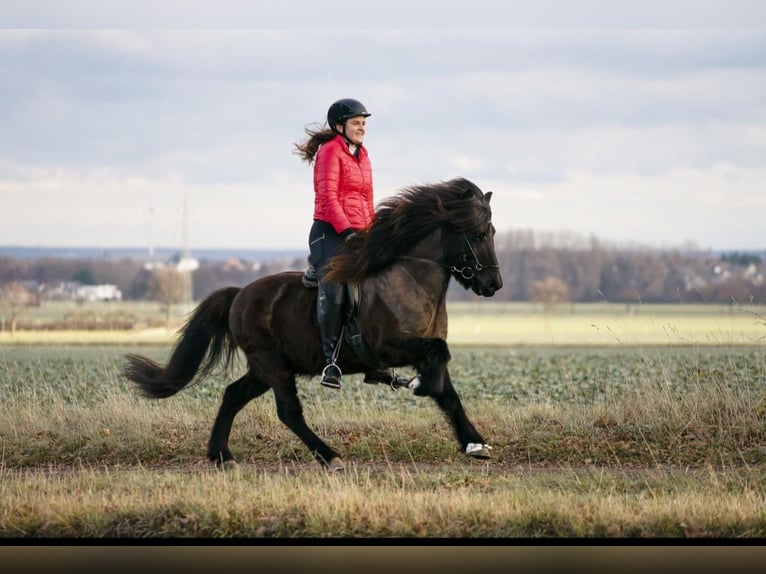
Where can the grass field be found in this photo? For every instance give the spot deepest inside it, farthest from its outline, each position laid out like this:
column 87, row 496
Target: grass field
column 663, row 436
column 481, row 323
column 606, row 325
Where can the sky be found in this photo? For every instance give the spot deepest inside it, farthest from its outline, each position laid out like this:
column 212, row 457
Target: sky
column 636, row 126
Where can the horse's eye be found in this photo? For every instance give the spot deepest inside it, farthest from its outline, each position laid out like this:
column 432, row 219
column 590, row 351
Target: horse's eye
column 477, row 236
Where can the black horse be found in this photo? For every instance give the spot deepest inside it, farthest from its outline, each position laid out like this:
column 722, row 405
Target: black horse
column 400, row 268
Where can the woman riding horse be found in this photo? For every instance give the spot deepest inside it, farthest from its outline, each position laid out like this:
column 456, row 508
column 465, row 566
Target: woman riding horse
column 401, row 268
column 343, row 205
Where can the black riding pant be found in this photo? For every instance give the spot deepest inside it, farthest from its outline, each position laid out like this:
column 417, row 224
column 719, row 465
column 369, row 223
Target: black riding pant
column 323, row 244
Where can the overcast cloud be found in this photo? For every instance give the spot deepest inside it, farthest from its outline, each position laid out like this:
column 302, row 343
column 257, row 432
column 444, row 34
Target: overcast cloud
column 650, row 135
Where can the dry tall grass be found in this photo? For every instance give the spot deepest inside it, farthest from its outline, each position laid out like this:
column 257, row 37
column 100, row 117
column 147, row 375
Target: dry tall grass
column 646, row 462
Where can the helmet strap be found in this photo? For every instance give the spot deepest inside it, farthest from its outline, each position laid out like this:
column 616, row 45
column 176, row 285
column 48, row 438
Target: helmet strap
column 355, row 153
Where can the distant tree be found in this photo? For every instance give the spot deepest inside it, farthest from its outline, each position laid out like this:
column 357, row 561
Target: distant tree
column 206, row 281
column 741, row 259
column 85, row 276
column 166, row 285
column 48, row 269
column 14, row 296
column 549, row 291
column 736, row 290
column 621, row 278
column 12, row 269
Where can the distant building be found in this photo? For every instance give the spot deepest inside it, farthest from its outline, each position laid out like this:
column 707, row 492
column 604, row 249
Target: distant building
column 60, row 290
column 103, row 292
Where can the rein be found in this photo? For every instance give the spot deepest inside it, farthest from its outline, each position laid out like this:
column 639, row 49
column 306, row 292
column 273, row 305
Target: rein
column 467, row 271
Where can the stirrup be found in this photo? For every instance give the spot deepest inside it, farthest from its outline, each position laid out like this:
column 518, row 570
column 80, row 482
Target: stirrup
column 331, row 382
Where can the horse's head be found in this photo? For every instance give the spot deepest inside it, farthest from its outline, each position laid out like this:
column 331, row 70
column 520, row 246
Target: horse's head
column 448, row 223
column 470, row 241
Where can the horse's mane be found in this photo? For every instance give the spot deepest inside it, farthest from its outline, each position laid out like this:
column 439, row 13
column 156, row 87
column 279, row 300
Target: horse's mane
column 404, row 220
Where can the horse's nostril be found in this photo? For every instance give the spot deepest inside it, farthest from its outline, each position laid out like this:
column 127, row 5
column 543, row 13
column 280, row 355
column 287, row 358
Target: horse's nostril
column 494, row 285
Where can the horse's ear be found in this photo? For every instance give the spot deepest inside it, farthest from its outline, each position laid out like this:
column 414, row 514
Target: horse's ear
column 487, row 197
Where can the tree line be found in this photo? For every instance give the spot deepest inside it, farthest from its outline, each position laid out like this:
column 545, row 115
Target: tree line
column 548, row 268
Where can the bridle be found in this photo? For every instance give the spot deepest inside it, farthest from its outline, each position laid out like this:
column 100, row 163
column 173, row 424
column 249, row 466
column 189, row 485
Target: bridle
column 468, row 270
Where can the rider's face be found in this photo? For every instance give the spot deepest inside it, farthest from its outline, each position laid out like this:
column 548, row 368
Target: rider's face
column 356, row 127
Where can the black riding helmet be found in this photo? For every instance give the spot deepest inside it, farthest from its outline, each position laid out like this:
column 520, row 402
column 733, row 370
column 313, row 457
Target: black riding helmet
column 344, row 109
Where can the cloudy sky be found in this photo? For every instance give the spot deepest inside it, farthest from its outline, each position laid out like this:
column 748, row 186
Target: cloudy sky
column 634, row 128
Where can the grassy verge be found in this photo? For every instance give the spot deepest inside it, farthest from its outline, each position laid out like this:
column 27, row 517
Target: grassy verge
column 587, row 443
column 399, row 501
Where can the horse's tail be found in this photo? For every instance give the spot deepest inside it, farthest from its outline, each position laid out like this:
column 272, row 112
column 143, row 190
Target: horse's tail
column 205, row 340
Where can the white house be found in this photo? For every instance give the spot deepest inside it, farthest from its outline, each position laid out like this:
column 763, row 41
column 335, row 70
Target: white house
column 103, row 292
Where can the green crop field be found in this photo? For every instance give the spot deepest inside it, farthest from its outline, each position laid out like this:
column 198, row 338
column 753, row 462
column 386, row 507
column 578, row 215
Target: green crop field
column 480, row 323
column 640, row 434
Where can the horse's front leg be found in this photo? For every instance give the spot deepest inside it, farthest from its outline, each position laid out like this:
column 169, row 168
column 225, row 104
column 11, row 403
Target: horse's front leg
column 449, row 402
column 430, row 358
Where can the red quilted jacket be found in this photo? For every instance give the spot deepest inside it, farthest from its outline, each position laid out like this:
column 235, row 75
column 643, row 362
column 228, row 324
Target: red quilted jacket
column 343, row 186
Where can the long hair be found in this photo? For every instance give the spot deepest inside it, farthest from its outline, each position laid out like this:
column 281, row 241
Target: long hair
column 407, row 218
column 308, row 148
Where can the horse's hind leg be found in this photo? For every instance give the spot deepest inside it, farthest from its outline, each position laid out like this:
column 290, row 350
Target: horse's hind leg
column 469, row 438
column 236, row 396
column 290, row 412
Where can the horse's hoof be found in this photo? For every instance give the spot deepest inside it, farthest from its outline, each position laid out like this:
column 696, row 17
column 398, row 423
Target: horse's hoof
column 229, row 465
column 336, row 465
column 476, row 450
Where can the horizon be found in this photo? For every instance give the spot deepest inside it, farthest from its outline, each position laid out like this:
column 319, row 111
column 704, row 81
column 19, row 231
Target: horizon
column 165, row 251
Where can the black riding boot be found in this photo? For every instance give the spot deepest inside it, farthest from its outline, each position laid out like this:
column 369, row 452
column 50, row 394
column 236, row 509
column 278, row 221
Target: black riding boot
column 331, row 317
